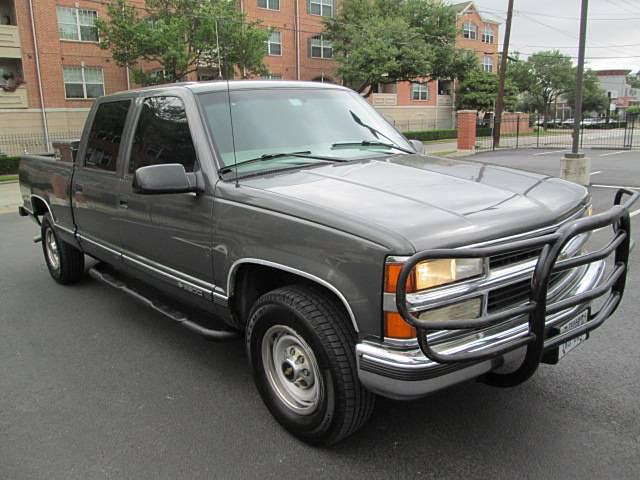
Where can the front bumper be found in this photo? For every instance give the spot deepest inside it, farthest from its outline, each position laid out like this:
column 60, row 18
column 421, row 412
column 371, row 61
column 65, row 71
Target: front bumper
column 408, row 374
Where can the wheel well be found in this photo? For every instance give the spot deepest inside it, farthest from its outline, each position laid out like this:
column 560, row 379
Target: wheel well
column 39, row 206
column 251, row 281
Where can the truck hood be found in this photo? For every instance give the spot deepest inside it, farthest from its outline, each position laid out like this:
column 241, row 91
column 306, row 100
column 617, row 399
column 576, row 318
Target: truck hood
column 430, row 202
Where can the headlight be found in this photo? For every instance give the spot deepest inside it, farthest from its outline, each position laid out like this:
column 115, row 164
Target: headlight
column 434, row 273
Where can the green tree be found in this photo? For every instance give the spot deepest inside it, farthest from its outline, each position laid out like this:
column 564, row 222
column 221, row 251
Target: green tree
column 542, row 78
column 479, row 89
column 179, row 36
column 385, row 41
column 594, row 98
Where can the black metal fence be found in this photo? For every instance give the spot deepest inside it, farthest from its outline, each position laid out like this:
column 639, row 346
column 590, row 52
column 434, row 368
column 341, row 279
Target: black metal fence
column 20, row 143
column 534, row 132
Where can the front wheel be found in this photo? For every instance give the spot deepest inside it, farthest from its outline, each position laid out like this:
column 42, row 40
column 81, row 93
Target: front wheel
column 301, row 349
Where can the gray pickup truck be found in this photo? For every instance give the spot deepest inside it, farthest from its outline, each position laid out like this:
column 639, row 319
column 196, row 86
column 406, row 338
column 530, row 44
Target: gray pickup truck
column 293, row 214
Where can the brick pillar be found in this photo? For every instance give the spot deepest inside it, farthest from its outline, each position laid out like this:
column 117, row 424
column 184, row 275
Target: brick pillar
column 467, row 130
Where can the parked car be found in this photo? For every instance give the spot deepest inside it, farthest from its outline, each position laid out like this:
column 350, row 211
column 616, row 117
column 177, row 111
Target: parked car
column 352, row 264
column 568, row 123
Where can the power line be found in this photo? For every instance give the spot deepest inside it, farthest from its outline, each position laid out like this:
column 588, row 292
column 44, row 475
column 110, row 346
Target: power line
column 560, row 17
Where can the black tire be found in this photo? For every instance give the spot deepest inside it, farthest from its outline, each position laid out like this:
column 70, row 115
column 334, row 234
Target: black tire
column 344, row 405
column 70, row 264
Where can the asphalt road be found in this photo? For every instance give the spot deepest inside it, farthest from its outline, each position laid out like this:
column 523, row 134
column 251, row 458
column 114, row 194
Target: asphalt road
column 94, row 385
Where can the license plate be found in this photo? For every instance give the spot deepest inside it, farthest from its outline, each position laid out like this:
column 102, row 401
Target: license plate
column 566, row 347
column 554, row 355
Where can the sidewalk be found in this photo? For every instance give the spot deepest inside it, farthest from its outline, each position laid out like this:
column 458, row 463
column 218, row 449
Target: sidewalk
column 433, row 147
column 9, row 197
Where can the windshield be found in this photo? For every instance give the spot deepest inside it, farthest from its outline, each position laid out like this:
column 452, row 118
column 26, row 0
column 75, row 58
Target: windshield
column 276, row 120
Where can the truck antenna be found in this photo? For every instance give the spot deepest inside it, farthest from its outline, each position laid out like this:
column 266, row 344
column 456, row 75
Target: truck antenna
column 233, row 137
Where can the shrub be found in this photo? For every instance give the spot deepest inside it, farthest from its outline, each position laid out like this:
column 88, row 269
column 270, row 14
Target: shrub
column 451, row 133
column 428, row 135
column 8, row 165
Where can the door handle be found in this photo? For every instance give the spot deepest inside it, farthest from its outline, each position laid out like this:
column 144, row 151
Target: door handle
column 124, row 204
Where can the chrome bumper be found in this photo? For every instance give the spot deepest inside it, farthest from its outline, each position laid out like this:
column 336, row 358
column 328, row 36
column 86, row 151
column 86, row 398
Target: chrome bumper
column 407, row 374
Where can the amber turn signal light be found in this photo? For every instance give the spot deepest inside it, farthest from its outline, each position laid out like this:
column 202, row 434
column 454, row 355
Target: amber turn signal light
column 396, row 327
column 391, row 275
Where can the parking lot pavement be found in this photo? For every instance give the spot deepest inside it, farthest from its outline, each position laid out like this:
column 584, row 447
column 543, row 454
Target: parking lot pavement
column 95, row 385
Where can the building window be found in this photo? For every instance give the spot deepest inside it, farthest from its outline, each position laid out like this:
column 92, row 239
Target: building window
column 487, row 63
column 419, row 91
column 444, row 87
column 272, row 76
column 77, row 24
column 269, row 4
column 324, row 8
column 487, row 35
column 470, row 30
column 83, row 82
column 320, row 48
column 274, row 44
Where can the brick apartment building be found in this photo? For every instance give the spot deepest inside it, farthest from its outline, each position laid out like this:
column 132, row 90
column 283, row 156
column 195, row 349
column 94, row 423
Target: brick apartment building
column 431, row 105
column 53, row 46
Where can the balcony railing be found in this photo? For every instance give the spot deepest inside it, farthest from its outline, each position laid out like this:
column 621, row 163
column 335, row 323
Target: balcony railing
column 382, row 99
column 9, row 42
column 17, row 99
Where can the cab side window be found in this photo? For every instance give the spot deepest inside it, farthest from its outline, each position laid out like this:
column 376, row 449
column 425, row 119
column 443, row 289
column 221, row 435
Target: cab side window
column 105, row 135
column 162, row 135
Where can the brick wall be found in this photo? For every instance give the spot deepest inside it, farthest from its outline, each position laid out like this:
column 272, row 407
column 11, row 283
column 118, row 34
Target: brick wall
column 284, row 20
column 477, row 45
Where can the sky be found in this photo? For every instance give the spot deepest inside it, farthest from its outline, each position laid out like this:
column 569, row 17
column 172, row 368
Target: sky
column 613, row 29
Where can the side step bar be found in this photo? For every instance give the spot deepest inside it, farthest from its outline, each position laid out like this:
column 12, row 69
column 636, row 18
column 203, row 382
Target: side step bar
column 109, row 276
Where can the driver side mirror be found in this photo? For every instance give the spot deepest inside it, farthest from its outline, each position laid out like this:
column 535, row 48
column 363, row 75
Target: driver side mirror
column 165, row 178
column 418, row 146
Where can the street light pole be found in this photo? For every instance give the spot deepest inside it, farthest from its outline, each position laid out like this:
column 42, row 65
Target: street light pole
column 575, row 166
column 499, row 105
column 577, row 117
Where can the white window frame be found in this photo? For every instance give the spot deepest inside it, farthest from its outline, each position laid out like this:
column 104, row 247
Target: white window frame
column 470, row 31
column 487, row 63
column 78, row 25
column 270, row 42
column 322, row 44
column 84, row 82
column 488, row 35
column 322, row 4
column 421, row 89
column 272, row 76
column 268, row 4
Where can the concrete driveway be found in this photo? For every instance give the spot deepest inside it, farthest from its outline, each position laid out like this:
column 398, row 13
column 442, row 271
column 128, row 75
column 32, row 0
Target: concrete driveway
column 9, row 197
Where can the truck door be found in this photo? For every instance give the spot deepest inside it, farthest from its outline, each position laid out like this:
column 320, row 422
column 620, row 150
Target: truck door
column 97, row 180
column 177, row 237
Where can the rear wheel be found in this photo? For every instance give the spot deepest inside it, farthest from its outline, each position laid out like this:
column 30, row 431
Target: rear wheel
column 64, row 261
column 301, row 350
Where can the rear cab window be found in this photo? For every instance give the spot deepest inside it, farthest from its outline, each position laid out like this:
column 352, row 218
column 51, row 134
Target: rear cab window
column 105, row 136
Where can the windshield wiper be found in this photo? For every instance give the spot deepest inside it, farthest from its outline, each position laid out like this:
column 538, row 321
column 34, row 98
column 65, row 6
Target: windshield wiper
column 371, row 143
column 270, row 156
column 377, row 133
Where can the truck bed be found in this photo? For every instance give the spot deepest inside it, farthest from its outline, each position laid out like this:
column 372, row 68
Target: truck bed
column 45, row 182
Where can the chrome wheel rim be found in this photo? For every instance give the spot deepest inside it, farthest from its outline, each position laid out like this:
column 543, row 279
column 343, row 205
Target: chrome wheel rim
column 51, row 246
column 292, row 369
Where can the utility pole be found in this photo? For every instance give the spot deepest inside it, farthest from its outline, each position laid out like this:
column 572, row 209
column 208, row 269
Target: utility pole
column 497, row 119
column 575, row 166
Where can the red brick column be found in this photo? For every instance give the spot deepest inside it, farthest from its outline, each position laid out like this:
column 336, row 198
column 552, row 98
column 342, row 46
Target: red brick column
column 467, row 130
